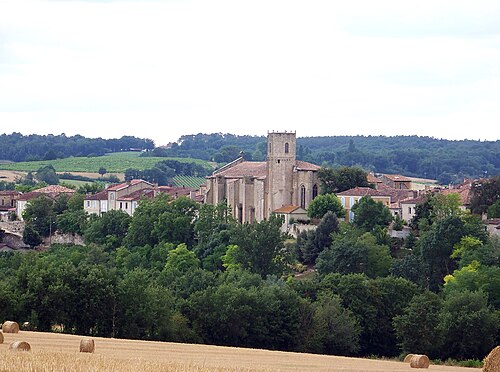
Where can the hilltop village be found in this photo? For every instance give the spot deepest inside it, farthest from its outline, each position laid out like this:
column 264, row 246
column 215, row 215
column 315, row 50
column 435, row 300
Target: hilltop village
column 268, row 251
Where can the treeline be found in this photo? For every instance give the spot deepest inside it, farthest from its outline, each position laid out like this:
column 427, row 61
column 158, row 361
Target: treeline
column 444, row 160
column 164, row 171
column 18, row 147
column 180, row 271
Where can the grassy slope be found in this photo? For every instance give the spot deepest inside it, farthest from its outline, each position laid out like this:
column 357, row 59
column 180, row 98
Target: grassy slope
column 114, row 163
column 59, row 352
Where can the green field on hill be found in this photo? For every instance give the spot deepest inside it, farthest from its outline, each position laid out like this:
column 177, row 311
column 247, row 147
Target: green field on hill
column 116, row 162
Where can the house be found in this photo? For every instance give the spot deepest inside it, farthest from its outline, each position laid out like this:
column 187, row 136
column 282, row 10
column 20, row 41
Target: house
column 51, row 191
column 8, row 202
column 408, row 207
column 493, row 226
column 292, row 213
column 255, row 190
column 396, row 181
column 350, row 197
column 123, row 196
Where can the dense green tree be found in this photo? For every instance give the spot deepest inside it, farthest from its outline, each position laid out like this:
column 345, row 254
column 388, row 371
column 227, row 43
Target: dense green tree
column 182, row 259
column 72, row 222
column 417, row 327
column 469, row 325
column 47, row 174
column 39, row 213
column 484, row 194
column 260, row 246
column 176, row 224
column 494, row 210
column 323, row 204
column 369, row 213
column 110, row 229
column 342, row 179
column 31, row 236
column 146, row 215
column 311, row 243
column 102, row 171
column 334, row 329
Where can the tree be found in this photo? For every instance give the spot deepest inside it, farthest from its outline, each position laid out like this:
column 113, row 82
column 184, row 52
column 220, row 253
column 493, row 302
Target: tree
column 323, row 204
column 445, row 206
column 369, row 213
column 102, row 171
column 484, row 194
column 48, row 175
column 110, row 229
column 31, row 236
column 72, row 222
column 260, row 246
column 342, row 179
column 469, row 325
column 181, row 259
column 494, row 210
column 417, row 328
column 311, row 243
column 39, row 212
column 334, row 329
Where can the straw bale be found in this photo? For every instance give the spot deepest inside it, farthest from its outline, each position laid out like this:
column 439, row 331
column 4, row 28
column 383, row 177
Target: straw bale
column 1, row 338
column 87, row 345
column 10, row 327
column 408, row 358
column 19, row 346
column 492, row 361
column 419, row 361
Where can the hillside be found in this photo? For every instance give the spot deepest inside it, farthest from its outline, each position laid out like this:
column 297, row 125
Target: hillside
column 117, row 162
column 57, row 352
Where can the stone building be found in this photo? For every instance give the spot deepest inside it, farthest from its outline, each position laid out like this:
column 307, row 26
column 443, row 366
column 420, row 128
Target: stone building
column 255, row 190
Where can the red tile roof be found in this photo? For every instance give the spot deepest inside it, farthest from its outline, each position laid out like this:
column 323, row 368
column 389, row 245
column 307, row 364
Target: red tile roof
column 51, row 191
column 463, row 192
column 101, row 195
column 138, row 195
column 396, row 194
column 363, row 191
column 245, row 168
column 287, row 209
column 372, row 179
column 10, row 193
column 124, row 185
column 176, row 190
column 305, row 166
column 397, row 178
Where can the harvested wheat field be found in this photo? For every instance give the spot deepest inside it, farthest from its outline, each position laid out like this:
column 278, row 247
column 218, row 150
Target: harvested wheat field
column 58, row 352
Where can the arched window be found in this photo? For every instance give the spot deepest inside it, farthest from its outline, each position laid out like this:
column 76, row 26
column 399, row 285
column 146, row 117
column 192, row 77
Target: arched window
column 303, row 196
column 315, row 191
column 286, row 147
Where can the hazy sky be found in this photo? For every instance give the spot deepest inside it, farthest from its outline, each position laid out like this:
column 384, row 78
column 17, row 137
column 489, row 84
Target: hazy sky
column 161, row 69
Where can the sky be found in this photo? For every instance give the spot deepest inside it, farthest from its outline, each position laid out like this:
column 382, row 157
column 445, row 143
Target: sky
column 163, row 69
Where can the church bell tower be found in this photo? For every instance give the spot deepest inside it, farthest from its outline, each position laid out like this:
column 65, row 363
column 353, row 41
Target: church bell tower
column 281, row 156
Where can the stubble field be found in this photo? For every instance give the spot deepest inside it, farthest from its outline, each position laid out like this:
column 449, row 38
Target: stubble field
column 59, row 352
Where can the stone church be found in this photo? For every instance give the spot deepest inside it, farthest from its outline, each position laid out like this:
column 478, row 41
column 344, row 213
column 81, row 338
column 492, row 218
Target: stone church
column 255, row 190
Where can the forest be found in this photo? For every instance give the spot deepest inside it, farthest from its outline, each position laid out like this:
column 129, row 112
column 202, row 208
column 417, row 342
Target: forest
column 184, row 272
column 444, row 160
column 17, row 147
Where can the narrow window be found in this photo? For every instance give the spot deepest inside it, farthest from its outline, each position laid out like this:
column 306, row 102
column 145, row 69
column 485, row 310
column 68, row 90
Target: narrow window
column 315, row 191
column 270, row 148
column 303, row 196
column 120, row 205
column 409, row 210
column 286, row 147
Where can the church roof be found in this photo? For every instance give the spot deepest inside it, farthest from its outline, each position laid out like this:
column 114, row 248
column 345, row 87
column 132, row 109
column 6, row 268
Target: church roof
column 245, row 168
column 305, row 166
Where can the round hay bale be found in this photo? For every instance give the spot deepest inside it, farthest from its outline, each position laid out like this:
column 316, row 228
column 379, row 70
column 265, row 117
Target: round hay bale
column 19, row 346
column 492, row 361
column 1, row 338
column 10, row 327
column 408, row 358
column 87, row 345
column 419, row 361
